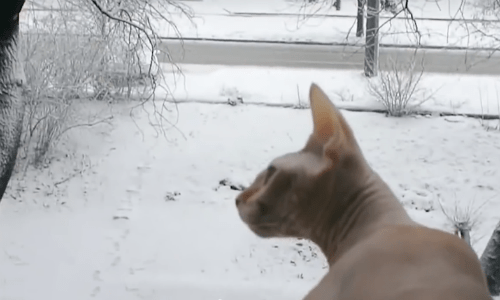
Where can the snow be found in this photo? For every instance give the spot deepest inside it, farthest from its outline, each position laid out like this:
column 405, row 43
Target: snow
column 453, row 93
column 126, row 212
column 217, row 19
column 118, row 235
column 419, row 8
column 77, row 249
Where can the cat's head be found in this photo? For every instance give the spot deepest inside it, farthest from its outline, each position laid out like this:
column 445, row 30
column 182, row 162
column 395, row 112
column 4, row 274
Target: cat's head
column 300, row 190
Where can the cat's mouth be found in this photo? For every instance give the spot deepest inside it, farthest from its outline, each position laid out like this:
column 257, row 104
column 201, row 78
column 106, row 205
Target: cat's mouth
column 263, row 225
column 265, row 229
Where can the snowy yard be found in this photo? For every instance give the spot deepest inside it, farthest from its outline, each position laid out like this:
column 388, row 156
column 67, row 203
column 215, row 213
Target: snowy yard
column 148, row 218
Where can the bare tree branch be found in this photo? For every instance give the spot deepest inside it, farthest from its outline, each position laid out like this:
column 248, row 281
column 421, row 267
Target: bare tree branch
column 131, row 24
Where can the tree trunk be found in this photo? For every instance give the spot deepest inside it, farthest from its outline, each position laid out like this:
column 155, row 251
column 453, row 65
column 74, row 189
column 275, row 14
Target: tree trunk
column 337, row 4
column 11, row 80
column 371, row 48
column 360, row 19
column 490, row 261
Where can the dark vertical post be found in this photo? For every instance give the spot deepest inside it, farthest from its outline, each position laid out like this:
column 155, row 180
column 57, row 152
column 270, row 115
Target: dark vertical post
column 490, row 261
column 371, row 48
column 360, row 18
column 337, row 4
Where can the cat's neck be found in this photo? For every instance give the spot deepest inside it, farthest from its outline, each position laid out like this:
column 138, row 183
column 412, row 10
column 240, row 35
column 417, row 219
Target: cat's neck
column 370, row 207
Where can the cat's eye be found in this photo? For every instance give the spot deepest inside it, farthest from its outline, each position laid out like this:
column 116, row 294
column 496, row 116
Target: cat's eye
column 270, row 171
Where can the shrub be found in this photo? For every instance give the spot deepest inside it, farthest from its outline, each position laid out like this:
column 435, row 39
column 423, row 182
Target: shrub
column 85, row 50
column 397, row 86
column 464, row 218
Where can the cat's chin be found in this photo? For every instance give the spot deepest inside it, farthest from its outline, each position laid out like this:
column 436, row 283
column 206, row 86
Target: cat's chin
column 265, row 231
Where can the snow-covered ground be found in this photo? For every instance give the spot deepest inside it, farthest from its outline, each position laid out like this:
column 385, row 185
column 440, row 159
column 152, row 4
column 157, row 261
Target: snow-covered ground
column 420, row 8
column 124, row 212
column 347, row 88
column 219, row 19
column 332, row 30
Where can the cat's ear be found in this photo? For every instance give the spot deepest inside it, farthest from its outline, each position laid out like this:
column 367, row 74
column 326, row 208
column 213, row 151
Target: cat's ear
column 331, row 132
column 328, row 122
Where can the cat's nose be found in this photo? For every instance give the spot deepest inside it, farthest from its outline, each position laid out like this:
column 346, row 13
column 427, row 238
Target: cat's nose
column 238, row 201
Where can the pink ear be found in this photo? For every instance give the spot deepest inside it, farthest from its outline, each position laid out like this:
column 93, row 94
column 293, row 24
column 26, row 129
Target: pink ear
column 325, row 117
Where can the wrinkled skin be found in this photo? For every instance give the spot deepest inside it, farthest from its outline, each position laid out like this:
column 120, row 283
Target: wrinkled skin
column 11, row 80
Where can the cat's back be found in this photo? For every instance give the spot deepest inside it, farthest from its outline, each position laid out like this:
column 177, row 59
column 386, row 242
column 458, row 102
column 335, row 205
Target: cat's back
column 405, row 262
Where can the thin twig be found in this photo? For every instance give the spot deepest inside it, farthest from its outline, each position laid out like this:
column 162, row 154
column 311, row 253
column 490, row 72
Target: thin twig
column 105, row 120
